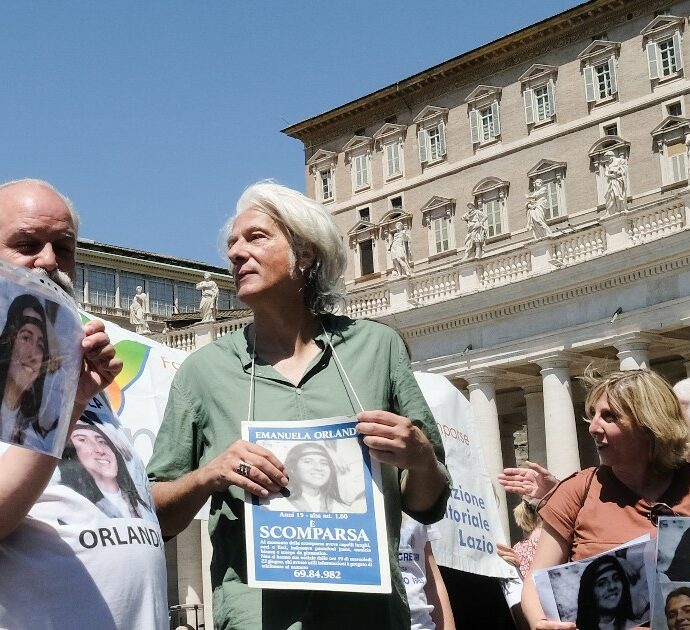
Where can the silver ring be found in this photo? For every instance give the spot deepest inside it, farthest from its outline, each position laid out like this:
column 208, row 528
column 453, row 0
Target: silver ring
column 243, row 468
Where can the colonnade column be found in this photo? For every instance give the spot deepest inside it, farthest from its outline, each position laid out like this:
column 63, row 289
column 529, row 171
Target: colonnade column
column 633, row 353
column 482, row 388
column 562, row 454
column 536, row 436
column 189, row 570
column 206, row 554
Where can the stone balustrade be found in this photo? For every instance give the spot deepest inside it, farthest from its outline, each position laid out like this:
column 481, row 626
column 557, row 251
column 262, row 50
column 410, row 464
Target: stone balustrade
column 656, row 223
column 440, row 285
column 582, row 243
column 575, row 248
column 368, row 303
column 504, row 269
column 193, row 337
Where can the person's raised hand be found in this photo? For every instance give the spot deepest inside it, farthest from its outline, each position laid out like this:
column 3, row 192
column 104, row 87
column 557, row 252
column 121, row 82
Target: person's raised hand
column 533, row 481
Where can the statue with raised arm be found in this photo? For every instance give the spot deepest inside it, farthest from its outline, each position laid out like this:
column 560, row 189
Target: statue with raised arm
column 137, row 312
column 476, row 231
column 616, row 175
column 535, row 209
column 400, row 250
column 209, row 298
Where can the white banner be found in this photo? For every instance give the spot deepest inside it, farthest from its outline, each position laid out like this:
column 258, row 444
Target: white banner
column 471, row 526
column 140, row 392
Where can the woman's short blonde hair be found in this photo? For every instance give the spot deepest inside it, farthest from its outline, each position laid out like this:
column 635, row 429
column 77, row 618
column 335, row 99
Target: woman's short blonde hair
column 526, row 517
column 310, row 228
column 648, row 399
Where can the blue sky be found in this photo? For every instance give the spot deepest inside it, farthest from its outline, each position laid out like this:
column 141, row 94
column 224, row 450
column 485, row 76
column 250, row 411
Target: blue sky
column 154, row 115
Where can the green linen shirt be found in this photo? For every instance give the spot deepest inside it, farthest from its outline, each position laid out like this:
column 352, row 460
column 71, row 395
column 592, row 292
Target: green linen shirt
column 208, row 400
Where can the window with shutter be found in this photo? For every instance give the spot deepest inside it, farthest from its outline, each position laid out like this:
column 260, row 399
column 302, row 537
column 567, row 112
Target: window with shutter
column 492, row 209
column 529, row 106
column 392, row 151
column 474, row 126
column 422, row 145
column 361, row 170
column 440, row 227
column 677, row 164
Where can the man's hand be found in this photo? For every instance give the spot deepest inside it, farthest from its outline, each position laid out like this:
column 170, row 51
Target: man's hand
column 266, row 472
column 100, row 365
column 393, row 439
column 534, row 481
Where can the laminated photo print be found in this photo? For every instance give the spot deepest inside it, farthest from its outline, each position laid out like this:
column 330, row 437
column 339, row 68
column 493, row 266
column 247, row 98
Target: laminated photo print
column 610, row 590
column 40, row 360
column 671, row 607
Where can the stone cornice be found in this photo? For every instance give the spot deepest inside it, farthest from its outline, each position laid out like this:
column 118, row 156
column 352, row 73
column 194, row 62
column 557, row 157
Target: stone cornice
column 535, row 302
column 577, row 23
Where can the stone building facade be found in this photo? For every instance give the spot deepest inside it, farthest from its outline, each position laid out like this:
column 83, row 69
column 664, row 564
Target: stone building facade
column 107, row 277
column 570, row 139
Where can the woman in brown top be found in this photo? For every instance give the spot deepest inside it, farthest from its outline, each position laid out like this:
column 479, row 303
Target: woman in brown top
column 641, row 436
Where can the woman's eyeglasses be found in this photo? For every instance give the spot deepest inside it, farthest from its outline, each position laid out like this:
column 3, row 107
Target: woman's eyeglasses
column 660, row 509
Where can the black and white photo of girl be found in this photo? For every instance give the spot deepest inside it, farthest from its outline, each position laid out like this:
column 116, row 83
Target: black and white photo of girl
column 322, row 479
column 93, row 466
column 24, row 360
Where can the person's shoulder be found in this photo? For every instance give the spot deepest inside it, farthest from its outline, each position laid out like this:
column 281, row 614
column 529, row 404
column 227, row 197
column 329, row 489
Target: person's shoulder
column 576, row 484
column 216, row 350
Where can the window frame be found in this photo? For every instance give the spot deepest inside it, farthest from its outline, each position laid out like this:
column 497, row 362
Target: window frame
column 666, row 30
column 672, row 132
column 600, row 54
column 492, row 190
column 539, row 77
column 553, row 175
column 435, row 210
column 321, row 162
column 430, row 119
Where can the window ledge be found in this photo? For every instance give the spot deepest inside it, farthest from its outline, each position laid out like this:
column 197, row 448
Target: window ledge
column 543, row 123
column 681, row 183
column 361, row 189
column 670, row 78
column 368, row 277
column 487, row 143
column 390, row 178
column 499, row 237
column 447, row 252
column 605, row 101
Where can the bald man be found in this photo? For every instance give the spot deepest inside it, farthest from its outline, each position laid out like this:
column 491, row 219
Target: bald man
column 65, row 562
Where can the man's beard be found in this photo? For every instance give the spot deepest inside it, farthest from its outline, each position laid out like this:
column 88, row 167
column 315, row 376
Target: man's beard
column 58, row 277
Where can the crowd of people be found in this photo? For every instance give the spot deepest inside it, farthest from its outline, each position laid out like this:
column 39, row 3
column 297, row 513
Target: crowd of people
column 77, row 529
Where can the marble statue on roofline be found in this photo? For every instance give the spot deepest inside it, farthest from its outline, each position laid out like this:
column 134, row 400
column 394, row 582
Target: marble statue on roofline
column 400, row 251
column 535, row 209
column 209, row 298
column 616, row 177
column 137, row 312
column 476, row 231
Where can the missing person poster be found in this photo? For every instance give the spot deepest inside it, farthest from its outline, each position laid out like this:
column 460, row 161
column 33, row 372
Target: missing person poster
column 613, row 586
column 327, row 529
column 671, row 604
column 40, row 360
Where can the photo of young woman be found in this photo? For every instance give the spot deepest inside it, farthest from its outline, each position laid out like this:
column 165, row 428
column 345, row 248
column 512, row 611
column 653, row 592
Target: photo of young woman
column 94, row 467
column 24, row 356
column 604, row 601
column 313, row 483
